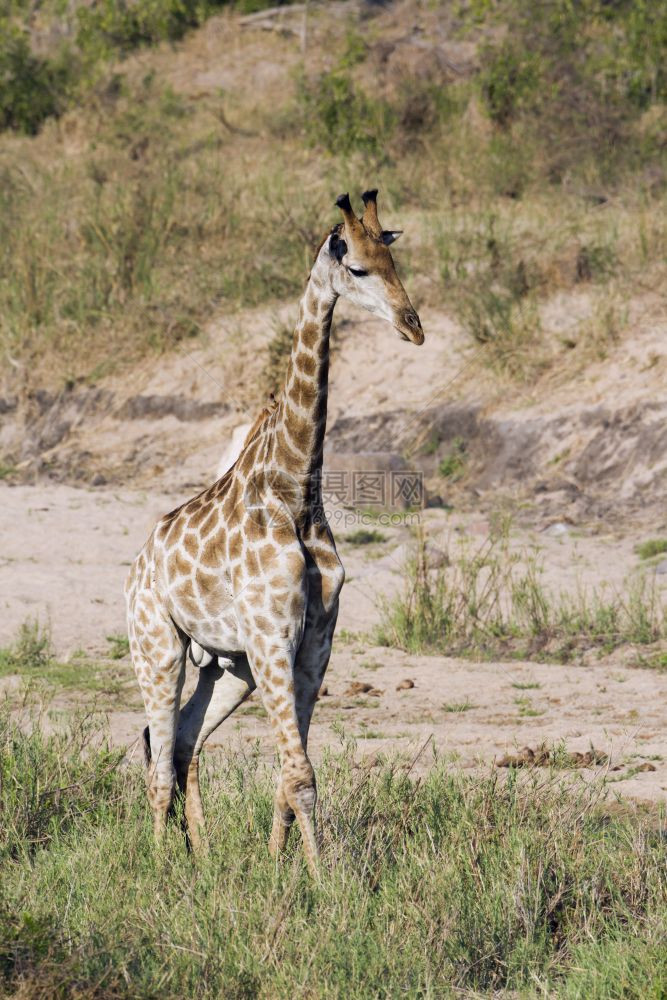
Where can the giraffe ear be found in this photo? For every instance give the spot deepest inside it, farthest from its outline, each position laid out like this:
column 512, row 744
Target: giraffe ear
column 390, row 236
column 337, row 247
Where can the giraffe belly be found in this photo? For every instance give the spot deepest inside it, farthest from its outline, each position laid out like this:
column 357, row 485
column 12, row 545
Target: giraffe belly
column 216, row 638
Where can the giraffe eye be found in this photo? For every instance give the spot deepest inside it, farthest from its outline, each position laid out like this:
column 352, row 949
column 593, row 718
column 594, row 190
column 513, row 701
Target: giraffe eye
column 358, row 272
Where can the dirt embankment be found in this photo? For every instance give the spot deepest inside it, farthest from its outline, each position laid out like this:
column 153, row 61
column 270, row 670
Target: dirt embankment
column 592, row 447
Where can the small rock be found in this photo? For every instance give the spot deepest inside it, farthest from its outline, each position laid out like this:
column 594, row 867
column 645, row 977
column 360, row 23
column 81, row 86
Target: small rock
column 543, row 757
column 434, row 501
column 405, row 685
column 359, row 687
column 661, row 568
column 323, row 692
column 376, row 692
column 436, row 557
column 98, row 480
column 557, row 530
column 646, row 766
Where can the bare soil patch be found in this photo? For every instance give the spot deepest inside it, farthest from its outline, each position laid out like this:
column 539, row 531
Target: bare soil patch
column 66, row 552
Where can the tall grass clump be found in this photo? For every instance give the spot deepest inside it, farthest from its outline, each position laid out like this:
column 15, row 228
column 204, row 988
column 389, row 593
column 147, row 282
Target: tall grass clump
column 492, row 600
column 48, row 783
column 31, row 651
column 430, row 887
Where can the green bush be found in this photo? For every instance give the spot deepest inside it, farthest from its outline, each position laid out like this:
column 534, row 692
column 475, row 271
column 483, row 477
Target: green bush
column 340, row 117
column 576, row 74
column 109, row 27
column 31, row 88
column 34, row 87
column 510, row 81
column 637, row 61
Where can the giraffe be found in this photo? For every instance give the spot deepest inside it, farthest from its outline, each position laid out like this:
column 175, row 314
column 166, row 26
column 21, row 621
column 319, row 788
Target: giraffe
column 247, row 571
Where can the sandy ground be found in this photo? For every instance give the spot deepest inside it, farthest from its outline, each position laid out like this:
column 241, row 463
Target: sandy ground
column 66, row 552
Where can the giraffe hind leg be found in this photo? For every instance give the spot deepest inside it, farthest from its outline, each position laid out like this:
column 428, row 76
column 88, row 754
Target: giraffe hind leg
column 310, row 667
column 221, row 687
column 158, row 655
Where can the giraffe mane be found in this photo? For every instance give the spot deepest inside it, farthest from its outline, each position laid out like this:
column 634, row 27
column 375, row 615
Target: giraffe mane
column 265, row 412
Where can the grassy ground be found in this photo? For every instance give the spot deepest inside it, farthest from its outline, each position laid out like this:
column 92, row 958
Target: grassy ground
column 32, row 657
column 430, row 887
column 149, row 204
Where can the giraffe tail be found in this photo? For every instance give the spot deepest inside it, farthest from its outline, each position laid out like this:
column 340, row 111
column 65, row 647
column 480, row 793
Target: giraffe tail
column 146, row 739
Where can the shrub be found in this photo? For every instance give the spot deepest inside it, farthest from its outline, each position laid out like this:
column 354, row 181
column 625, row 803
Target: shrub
column 338, row 115
column 509, row 81
column 452, row 465
column 31, row 88
column 365, row 536
column 110, row 27
column 651, row 547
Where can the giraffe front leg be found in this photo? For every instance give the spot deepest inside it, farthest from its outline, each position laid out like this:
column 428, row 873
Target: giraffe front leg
column 296, row 793
column 221, row 688
column 310, row 667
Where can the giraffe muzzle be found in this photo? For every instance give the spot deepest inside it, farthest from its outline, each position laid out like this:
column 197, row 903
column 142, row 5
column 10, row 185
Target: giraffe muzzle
column 410, row 327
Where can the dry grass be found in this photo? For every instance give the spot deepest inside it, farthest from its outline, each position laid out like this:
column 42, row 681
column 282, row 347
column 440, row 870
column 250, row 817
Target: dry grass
column 159, row 202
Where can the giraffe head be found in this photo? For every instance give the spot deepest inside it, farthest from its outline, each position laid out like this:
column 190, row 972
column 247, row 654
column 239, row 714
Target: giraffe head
column 364, row 271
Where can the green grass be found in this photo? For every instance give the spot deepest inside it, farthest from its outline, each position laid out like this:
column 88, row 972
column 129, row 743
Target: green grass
column 32, row 657
column 429, row 888
column 119, row 646
column 651, row 547
column 458, row 706
column 654, row 661
column 365, row 536
column 492, row 601
column 525, row 707
column 31, row 650
column 452, row 465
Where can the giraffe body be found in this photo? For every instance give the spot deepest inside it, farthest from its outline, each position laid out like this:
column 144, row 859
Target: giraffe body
column 245, row 576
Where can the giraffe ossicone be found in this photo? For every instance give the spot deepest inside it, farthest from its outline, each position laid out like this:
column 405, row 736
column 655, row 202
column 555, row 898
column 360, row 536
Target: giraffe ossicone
column 245, row 576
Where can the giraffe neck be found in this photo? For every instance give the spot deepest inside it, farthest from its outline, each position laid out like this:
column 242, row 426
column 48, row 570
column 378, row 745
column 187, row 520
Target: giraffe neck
column 301, row 416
